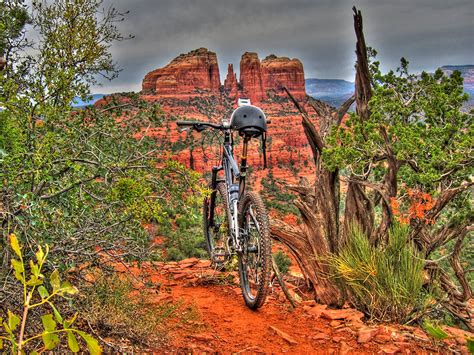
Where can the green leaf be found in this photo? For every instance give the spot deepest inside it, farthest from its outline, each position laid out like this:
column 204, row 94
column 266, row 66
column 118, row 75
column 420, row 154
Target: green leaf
column 92, row 344
column 72, row 342
column 34, row 268
column 40, row 254
column 43, row 292
column 13, row 321
column 19, row 270
column 15, row 245
column 1, row 344
column 68, row 323
column 470, row 345
column 48, row 322
column 434, row 330
column 57, row 315
column 55, row 281
column 67, row 288
column 50, row 340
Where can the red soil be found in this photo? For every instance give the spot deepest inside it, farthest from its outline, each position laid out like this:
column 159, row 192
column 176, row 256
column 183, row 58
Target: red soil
column 226, row 325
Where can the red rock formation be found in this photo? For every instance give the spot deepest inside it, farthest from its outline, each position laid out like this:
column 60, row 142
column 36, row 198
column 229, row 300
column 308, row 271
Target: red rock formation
column 257, row 78
column 283, row 71
column 185, row 75
column 197, row 72
column 230, row 84
column 251, row 77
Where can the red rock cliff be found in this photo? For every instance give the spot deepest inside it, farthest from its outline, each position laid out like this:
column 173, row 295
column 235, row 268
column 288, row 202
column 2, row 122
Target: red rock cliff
column 251, row 77
column 271, row 74
column 283, row 71
column 185, row 75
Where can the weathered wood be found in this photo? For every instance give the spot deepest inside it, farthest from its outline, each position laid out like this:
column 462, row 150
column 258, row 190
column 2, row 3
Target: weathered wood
column 281, row 282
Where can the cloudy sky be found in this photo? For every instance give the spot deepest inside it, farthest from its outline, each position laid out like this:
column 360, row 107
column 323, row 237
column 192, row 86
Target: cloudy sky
column 429, row 33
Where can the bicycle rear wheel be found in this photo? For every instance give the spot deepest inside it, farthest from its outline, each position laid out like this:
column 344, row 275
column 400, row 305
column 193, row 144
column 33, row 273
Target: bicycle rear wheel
column 216, row 231
column 255, row 264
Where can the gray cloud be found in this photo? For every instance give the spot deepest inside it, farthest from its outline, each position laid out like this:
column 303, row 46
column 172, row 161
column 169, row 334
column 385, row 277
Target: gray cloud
column 429, row 33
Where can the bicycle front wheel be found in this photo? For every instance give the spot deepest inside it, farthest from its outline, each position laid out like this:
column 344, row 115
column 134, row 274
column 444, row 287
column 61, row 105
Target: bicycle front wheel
column 255, row 261
column 216, row 228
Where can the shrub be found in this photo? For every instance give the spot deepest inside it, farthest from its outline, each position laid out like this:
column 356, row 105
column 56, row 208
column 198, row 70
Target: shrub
column 36, row 295
column 117, row 310
column 383, row 281
column 282, row 260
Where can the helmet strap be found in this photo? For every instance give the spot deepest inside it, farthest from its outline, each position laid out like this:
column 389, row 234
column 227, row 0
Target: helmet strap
column 264, row 149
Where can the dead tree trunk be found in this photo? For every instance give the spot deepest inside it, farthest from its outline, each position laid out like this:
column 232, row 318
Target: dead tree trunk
column 319, row 233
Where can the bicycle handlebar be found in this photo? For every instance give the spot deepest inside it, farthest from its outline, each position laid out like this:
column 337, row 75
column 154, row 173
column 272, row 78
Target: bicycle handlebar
column 198, row 125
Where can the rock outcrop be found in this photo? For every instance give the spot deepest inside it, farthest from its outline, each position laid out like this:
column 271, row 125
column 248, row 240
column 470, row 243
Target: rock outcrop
column 251, row 77
column 231, row 85
column 197, row 72
column 188, row 74
column 283, row 71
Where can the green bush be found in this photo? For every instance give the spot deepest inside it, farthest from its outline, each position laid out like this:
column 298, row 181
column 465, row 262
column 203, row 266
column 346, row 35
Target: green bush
column 282, row 260
column 384, row 281
column 40, row 292
column 117, row 311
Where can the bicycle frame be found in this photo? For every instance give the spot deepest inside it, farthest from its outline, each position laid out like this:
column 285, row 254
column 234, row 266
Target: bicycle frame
column 235, row 191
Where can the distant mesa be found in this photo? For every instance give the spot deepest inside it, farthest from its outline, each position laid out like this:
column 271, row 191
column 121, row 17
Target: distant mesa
column 197, row 72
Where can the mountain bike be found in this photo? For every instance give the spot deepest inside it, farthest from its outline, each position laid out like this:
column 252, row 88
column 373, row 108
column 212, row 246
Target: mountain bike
column 235, row 221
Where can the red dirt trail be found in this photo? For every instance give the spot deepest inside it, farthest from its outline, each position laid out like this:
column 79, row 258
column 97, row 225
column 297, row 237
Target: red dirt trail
column 225, row 325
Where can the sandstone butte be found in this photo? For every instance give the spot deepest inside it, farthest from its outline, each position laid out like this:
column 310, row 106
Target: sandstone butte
column 197, row 72
column 185, row 75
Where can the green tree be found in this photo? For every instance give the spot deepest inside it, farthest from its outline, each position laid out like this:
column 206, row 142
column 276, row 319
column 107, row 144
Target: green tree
column 13, row 18
column 84, row 181
column 406, row 156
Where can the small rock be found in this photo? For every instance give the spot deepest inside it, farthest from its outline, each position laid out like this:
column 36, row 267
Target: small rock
column 335, row 323
column 202, row 337
column 310, row 303
column 284, row 335
column 204, row 263
column 366, row 334
column 350, row 314
column 337, row 339
column 389, row 350
column 180, row 276
column 189, row 261
column 316, row 311
column 344, row 349
column 382, row 338
column 321, row 336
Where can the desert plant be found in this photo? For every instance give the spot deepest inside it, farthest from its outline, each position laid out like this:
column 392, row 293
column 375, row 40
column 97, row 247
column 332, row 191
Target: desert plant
column 117, row 311
column 384, row 281
column 36, row 294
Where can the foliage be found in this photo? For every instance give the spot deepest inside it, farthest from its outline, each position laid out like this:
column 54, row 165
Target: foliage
column 114, row 313
column 434, row 330
column 415, row 155
column 384, row 281
column 87, row 182
column 276, row 198
column 182, row 227
column 36, row 294
column 13, row 18
column 282, row 260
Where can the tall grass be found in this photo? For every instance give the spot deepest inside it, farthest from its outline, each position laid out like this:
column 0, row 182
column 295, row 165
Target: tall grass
column 385, row 281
